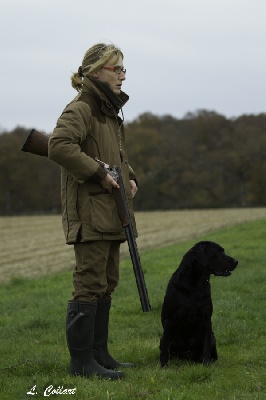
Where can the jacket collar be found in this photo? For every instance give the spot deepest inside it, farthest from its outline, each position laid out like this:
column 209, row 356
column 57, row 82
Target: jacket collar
column 108, row 97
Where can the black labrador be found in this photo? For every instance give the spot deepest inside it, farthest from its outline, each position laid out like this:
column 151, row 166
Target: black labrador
column 187, row 307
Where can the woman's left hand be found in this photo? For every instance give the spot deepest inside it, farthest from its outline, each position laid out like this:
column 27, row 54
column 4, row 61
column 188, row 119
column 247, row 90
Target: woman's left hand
column 134, row 188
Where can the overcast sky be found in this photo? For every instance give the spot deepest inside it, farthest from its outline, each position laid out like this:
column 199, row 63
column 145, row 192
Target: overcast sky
column 180, row 55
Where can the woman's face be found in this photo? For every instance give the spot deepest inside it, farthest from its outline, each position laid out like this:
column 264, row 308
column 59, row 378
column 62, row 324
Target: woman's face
column 112, row 74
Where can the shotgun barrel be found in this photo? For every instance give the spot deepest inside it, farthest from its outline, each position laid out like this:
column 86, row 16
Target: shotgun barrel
column 120, row 197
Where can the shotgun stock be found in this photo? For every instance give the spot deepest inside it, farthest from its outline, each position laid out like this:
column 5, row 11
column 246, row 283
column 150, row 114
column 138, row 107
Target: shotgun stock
column 37, row 143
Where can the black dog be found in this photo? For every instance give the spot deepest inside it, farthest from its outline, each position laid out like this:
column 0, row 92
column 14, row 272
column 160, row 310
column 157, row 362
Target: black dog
column 187, row 308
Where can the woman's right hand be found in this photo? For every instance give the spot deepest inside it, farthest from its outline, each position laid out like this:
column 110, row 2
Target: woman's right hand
column 108, row 182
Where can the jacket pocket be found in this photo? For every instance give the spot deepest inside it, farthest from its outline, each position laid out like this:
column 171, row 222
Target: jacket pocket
column 104, row 215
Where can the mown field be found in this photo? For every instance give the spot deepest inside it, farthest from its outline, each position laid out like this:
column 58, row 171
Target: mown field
column 35, row 246
column 34, row 356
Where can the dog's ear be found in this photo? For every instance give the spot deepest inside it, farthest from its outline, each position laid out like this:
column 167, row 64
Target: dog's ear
column 203, row 258
column 200, row 254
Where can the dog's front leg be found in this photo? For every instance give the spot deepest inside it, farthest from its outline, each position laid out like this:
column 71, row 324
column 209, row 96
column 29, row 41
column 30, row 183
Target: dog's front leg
column 164, row 349
column 214, row 355
column 206, row 356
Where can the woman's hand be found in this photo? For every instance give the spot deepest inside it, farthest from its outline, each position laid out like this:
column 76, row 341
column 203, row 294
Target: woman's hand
column 108, row 182
column 134, row 187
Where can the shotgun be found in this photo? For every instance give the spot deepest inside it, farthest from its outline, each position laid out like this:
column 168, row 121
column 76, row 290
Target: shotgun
column 120, row 198
column 37, row 143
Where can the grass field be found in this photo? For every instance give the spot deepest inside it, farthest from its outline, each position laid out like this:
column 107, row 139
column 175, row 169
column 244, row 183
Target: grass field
column 33, row 349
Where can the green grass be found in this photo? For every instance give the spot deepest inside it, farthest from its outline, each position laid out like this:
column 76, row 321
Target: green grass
column 34, row 352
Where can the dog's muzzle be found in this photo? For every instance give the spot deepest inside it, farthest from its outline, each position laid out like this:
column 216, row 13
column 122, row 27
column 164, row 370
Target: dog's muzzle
column 227, row 270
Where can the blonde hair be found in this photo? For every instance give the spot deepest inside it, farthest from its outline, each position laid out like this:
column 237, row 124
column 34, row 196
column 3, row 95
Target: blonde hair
column 93, row 60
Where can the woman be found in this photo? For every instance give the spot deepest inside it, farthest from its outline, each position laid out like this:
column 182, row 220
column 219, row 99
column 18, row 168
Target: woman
column 90, row 128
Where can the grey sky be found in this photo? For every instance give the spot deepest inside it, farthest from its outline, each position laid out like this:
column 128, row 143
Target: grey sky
column 180, row 55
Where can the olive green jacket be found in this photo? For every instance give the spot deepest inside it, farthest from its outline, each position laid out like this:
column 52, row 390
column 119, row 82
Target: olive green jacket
column 89, row 127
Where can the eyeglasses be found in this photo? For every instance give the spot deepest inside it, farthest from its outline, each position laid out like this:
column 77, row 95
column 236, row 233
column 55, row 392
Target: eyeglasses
column 117, row 69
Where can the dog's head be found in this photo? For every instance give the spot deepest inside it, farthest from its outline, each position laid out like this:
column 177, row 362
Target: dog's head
column 212, row 257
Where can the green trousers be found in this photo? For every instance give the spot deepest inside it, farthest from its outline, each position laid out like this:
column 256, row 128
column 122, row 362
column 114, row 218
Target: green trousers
column 97, row 269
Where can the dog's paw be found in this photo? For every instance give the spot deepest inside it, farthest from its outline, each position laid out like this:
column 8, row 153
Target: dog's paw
column 164, row 362
column 206, row 362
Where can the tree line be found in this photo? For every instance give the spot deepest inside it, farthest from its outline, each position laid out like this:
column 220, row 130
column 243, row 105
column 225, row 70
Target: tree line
column 203, row 160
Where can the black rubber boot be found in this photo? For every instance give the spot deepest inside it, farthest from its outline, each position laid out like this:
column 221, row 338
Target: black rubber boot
column 100, row 348
column 80, row 337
